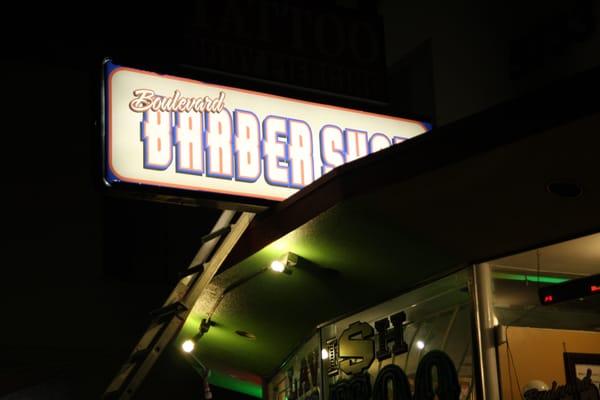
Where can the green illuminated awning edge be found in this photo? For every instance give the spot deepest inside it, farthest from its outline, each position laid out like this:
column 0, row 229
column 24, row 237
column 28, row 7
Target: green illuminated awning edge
column 229, row 382
column 217, row 378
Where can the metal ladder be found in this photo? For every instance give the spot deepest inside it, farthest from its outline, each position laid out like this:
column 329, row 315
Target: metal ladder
column 168, row 320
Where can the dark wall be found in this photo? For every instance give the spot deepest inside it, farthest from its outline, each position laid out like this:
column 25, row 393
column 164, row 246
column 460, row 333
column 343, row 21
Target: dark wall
column 81, row 269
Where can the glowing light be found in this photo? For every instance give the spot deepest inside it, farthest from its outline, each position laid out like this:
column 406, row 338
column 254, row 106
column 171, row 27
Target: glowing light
column 528, row 278
column 496, row 322
column 188, row 346
column 548, row 299
column 324, row 354
column 277, row 266
column 420, row 344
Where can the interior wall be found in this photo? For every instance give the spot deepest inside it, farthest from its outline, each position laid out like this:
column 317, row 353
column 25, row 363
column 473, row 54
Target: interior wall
column 538, row 354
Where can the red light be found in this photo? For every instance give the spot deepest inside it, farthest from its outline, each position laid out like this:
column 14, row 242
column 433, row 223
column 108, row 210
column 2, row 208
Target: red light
column 548, row 299
column 595, row 288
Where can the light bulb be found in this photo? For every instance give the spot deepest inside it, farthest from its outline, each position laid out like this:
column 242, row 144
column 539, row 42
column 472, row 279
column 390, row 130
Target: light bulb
column 324, row 354
column 277, row 266
column 420, row 344
column 188, row 346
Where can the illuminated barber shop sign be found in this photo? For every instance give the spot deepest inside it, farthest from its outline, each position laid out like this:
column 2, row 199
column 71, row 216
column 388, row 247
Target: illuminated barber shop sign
column 171, row 132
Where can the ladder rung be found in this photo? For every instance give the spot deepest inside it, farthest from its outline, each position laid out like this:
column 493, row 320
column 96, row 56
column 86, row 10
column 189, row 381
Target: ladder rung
column 139, row 355
column 173, row 308
column 192, row 270
column 111, row 395
column 168, row 320
column 217, row 233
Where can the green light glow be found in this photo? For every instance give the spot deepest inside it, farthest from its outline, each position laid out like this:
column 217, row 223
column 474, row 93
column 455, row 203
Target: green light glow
column 528, row 278
column 227, row 381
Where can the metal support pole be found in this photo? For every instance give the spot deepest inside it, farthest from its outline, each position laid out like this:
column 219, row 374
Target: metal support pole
column 486, row 357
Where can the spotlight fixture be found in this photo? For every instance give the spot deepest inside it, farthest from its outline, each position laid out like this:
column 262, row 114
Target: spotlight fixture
column 285, row 263
column 190, row 344
column 277, row 266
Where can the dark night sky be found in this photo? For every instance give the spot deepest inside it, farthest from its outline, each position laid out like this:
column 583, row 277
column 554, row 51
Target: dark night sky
column 82, row 268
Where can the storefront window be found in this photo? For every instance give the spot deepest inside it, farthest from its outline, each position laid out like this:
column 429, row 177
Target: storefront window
column 547, row 350
column 300, row 375
column 435, row 336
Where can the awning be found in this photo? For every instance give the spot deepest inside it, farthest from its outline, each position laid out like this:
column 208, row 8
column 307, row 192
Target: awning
column 471, row 191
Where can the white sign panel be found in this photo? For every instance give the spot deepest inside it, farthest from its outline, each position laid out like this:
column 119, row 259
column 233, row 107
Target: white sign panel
column 177, row 133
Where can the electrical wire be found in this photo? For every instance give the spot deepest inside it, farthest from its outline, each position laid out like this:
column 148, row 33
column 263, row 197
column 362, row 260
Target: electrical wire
column 511, row 360
column 535, row 307
column 410, row 346
column 510, row 384
column 450, row 325
column 463, row 358
column 470, row 392
column 229, row 288
column 537, row 252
